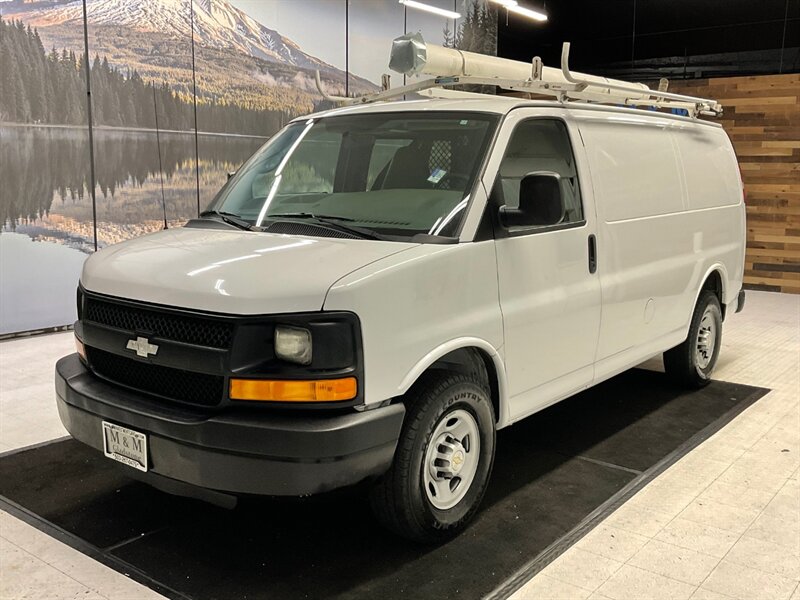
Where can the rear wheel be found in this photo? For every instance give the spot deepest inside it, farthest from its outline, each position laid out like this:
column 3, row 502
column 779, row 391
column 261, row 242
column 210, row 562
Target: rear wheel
column 692, row 362
column 443, row 459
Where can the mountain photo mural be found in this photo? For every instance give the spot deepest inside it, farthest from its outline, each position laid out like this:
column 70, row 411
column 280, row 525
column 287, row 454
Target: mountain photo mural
column 239, row 62
column 252, row 63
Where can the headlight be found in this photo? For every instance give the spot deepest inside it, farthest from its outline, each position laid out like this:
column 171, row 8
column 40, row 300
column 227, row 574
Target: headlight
column 293, row 344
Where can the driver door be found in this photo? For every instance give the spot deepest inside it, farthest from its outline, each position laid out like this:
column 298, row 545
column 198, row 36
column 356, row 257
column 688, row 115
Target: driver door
column 549, row 289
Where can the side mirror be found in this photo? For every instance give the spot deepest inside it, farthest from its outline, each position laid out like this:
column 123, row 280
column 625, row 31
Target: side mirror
column 540, row 202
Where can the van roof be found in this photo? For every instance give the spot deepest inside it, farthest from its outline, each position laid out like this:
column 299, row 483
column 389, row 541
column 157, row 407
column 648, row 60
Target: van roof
column 490, row 104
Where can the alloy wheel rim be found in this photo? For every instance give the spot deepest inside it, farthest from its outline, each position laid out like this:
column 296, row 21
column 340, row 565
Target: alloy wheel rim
column 451, row 459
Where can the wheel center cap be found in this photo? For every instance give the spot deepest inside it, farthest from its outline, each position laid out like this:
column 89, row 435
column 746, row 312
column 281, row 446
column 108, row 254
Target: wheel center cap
column 449, row 459
column 457, row 461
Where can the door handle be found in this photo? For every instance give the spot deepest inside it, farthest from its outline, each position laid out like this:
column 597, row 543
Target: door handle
column 592, row 254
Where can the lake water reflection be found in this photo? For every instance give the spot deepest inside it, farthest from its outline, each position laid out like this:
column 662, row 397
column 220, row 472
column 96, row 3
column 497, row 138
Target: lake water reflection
column 37, row 283
column 44, row 195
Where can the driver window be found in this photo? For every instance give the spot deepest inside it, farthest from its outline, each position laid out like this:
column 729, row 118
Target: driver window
column 540, row 145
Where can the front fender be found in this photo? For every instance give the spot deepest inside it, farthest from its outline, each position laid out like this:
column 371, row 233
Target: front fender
column 457, row 344
column 418, row 305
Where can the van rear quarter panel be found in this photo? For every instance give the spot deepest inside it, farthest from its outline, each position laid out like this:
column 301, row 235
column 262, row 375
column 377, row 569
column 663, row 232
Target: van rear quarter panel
column 669, row 204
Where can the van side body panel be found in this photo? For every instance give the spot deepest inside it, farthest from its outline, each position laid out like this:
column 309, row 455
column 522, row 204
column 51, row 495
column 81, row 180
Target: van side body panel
column 713, row 181
column 665, row 221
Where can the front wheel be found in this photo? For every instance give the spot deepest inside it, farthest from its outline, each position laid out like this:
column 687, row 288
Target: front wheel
column 443, row 460
column 692, row 362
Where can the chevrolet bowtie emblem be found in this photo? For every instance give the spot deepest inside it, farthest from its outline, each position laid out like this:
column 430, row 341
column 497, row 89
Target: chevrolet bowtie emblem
column 142, row 347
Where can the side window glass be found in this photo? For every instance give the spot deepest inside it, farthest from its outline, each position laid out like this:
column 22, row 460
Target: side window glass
column 540, row 145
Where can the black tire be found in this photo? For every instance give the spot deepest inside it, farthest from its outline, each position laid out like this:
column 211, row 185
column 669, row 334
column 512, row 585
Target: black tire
column 682, row 363
column 399, row 500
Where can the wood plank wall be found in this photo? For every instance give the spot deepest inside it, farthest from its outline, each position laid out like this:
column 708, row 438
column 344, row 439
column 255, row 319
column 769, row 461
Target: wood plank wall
column 762, row 117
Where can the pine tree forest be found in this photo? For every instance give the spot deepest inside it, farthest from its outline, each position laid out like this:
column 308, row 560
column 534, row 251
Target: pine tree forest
column 40, row 86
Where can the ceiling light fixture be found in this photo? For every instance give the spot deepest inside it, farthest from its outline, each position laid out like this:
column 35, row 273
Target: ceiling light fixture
column 527, row 12
column 431, row 9
column 513, row 6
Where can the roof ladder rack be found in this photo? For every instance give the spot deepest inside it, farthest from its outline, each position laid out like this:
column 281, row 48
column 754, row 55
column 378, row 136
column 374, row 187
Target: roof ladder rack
column 411, row 55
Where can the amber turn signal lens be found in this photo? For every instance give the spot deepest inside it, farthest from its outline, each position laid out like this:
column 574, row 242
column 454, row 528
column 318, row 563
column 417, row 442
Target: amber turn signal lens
column 80, row 348
column 320, row 390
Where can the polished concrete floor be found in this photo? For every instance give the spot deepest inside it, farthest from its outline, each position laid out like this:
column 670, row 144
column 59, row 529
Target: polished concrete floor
column 724, row 522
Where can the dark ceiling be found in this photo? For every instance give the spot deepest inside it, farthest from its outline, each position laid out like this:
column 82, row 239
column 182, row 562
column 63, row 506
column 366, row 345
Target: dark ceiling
column 647, row 39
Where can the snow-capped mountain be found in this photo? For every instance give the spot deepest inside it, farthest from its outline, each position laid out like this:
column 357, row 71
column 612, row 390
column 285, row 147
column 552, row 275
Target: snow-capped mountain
column 217, row 24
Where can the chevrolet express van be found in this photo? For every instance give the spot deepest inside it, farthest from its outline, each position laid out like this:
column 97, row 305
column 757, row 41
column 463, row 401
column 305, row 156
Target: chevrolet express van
column 380, row 288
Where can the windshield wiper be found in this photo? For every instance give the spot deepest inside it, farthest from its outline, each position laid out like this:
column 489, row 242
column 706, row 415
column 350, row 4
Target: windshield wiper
column 229, row 218
column 308, row 215
column 331, row 221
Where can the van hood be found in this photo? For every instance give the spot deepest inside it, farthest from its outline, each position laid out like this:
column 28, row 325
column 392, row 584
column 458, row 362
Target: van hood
column 229, row 271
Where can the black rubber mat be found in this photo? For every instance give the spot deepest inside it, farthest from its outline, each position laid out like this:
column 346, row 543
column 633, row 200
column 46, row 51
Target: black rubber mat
column 552, row 471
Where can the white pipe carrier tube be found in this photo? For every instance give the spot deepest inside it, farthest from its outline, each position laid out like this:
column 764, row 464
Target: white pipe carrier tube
column 412, row 55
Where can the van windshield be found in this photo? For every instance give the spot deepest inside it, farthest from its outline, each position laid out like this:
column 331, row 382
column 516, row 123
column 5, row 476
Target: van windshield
column 392, row 174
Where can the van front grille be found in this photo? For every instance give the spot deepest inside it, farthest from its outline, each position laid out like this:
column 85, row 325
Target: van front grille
column 190, row 330
column 166, row 382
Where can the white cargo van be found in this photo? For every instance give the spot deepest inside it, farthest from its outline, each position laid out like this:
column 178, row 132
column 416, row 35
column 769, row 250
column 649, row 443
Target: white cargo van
column 380, row 288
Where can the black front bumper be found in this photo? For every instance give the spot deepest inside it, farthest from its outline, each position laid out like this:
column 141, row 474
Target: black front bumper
column 243, row 452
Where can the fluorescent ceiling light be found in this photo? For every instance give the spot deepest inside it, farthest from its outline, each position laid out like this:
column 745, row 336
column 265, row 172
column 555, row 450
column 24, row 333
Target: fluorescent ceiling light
column 514, row 7
column 527, row 12
column 431, row 9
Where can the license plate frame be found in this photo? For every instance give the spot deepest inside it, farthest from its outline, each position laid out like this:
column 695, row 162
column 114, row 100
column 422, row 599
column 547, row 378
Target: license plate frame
column 125, row 445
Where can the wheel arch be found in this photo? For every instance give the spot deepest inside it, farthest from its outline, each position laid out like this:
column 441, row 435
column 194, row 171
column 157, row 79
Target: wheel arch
column 465, row 354
column 715, row 280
